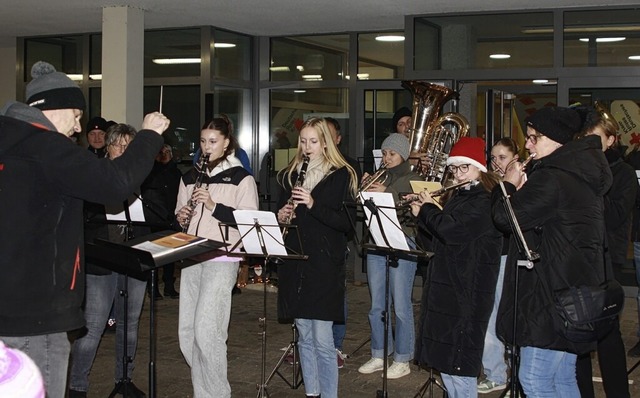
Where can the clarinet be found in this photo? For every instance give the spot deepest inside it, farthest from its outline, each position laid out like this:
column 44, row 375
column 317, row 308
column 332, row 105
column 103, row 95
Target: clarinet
column 201, row 168
column 299, row 181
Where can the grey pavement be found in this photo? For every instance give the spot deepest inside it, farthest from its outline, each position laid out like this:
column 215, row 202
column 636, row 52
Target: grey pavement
column 245, row 359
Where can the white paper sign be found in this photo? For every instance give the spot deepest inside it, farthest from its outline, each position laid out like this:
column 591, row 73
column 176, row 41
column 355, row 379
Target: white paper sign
column 390, row 224
column 115, row 212
column 377, row 157
column 250, row 222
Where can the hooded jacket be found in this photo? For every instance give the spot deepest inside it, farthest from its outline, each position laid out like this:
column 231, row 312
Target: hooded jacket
column 44, row 178
column 560, row 209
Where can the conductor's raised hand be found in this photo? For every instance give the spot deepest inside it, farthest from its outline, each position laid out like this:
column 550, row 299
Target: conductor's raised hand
column 155, row 121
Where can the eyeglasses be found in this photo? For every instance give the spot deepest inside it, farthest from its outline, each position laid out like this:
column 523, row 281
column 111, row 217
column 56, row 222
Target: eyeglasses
column 463, row 168
column 533, row 138
column 121, row 147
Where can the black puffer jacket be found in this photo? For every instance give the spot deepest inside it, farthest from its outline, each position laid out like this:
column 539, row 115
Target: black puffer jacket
column 560, row 209
column 618, row 206
column 461, row 282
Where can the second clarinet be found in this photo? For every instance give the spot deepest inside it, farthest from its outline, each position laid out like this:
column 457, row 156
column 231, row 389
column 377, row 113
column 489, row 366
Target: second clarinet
column 201, row 169
column 299, row 181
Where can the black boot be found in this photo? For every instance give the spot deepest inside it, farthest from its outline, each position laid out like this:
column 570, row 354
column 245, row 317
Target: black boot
column 170, row 290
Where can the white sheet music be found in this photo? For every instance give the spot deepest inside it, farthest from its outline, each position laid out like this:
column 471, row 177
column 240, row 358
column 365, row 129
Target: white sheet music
column 270, row 236
column 377, row 157
column 115, row 212
column 389, row 219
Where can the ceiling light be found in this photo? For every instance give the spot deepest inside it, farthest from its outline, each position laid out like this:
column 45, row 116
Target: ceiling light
column 540, row 81
column 279, row 69
column 299, row 91
column 95, row 77
column 605, row 39
column 312, row 77
column 176, row 61
column 224, row 45
column 300, row 68
column 499, row 56
column 634, row 57
column 390, row 38
column 76, row 77
column 363, row 76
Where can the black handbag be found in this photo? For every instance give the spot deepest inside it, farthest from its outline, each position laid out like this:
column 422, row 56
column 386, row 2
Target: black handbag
column 588, row 313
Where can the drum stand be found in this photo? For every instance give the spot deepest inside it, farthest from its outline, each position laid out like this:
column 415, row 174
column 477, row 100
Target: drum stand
column 292, row 349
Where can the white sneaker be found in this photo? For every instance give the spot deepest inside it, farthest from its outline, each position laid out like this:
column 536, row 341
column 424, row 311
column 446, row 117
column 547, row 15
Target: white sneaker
column 487, row 386
column 398, row 370
column 372, row 365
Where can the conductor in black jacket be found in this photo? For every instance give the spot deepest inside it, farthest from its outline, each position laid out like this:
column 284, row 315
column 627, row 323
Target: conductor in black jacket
column 44, row 179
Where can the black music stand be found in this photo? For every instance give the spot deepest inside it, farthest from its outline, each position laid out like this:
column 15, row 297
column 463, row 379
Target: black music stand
column 123, row 258
column 378, row 218
column 530, row 257
column 262, row 238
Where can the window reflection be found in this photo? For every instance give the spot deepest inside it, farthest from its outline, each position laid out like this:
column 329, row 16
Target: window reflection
column 602, row 38
column 467, row 41
column 380, row 55
column 172, row 53
column 309, row 58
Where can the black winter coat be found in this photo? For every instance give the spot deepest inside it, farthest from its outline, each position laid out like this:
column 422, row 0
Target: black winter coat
column 560, row 209
column 461, row 280
column 618, row 206
column 44, row 178
column 314, row 288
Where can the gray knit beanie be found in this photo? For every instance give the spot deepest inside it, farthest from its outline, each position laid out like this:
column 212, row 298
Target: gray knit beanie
column 397, row 143
column 50, row 89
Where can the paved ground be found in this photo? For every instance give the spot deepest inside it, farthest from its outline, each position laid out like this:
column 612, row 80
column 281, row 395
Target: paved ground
column 244, row 356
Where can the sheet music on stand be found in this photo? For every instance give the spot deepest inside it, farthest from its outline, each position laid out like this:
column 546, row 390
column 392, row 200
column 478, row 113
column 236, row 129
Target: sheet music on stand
column 115, row 212
column 260, row 232
column 389, row 219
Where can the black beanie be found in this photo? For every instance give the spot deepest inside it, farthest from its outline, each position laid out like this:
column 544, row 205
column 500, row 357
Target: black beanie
column 557, row 123
column 400, row 113
column 50, row 89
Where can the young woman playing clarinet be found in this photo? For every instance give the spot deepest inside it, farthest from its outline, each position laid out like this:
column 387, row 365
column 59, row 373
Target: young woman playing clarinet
column 205, row 198
column 311, row 292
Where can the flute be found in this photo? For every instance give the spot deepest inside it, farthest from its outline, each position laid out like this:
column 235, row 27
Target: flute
column 413, row 197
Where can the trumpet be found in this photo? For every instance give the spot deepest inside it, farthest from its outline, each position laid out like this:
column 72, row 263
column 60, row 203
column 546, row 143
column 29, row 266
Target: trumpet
column 413, row 197
column 201, row 169
column 299, row 181
column 380, row 176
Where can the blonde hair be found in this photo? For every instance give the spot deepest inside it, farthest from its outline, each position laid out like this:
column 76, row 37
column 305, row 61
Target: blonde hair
column 330, row 153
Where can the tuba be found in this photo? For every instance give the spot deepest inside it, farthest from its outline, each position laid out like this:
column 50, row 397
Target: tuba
column 430, row 133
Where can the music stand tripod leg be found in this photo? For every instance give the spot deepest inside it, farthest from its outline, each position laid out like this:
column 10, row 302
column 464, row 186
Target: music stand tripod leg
column 428, row 385
column 262, row 387
column 292, row 349
column 123, row 384
column 385, row 319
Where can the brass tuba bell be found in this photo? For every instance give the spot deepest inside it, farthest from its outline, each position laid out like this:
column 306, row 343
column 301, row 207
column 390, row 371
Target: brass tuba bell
column 430, row 133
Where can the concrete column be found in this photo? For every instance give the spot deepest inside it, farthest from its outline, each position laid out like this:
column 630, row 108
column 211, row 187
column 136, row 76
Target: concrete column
column 8, row 90
column 123, row 64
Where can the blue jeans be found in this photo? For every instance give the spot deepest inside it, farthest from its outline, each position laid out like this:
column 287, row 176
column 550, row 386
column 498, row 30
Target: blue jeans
column 548, row 373
column 495, row 367
column 317, row 357
column 100, row 293
column 636, row 261
column 400, row 288
column 340, row 329
column 460, row 386
column 51, row 353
